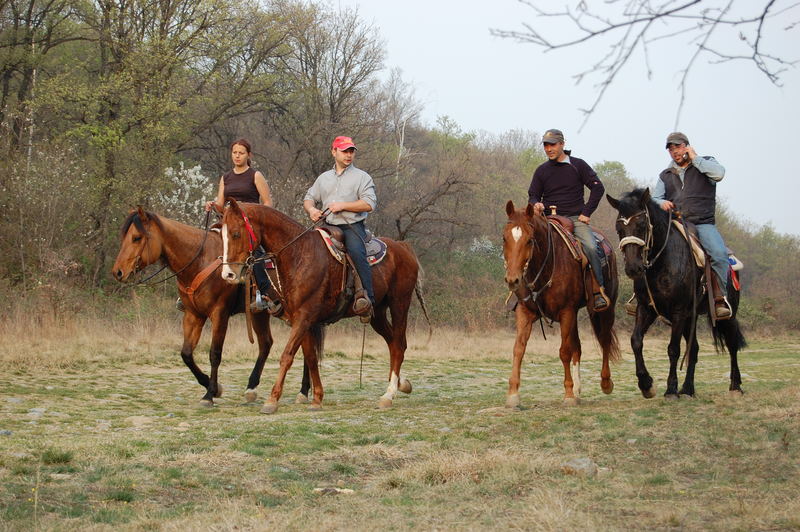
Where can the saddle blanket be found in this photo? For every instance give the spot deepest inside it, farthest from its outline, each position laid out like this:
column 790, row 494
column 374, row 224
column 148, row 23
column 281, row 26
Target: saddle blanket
column 376, row 248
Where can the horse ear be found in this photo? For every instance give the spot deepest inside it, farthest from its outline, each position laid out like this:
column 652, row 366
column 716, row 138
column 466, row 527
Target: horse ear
column 646, row 196
column 613, row 201
column 510, row 208
column 231, row 202
column 530, row 211
column 142, row 215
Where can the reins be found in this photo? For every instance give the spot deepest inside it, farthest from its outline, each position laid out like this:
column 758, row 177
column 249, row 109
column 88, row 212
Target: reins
column 534, row 294
column 175, row 274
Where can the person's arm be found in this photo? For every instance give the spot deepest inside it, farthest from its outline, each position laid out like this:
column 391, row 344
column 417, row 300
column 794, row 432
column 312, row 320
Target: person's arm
column 310, row 202
column 710, row 167
column 366, row 202
column 596, row 191
column 220, row 200
column 263, row 189
column 659, row 195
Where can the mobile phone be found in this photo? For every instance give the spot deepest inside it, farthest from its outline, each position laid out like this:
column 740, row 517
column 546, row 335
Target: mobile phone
column 685, row 156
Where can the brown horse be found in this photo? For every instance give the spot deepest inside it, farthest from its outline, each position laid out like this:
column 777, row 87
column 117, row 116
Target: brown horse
column 549, row 282
column 310, row 282
column 147, row 238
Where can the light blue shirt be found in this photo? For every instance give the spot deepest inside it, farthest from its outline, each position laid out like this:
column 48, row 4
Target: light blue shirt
column 352, row 184
column 706, row 164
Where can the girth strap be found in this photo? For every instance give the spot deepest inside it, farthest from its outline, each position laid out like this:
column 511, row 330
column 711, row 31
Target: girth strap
column 199, row 279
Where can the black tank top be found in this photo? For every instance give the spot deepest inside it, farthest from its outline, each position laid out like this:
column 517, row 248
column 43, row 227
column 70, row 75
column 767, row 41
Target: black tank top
column 241, row 187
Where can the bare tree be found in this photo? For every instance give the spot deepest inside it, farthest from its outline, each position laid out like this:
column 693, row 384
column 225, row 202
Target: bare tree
column 721, row 30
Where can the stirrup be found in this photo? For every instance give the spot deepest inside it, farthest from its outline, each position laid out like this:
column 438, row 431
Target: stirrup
column 631, row 305
column 179, row 305
column 260, row 304
column 722, row 309
column 600, row 303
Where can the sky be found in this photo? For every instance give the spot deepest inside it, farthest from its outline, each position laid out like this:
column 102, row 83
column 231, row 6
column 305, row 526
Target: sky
column 485, row 83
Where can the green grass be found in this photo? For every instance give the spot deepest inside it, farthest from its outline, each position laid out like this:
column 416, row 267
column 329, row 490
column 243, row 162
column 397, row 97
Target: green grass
column 130, row 449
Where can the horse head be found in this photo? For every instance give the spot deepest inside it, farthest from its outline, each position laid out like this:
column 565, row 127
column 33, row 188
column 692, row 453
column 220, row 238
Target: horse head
column 634, row 229
column 518, row 242
column 140, row 245
column 238, row 242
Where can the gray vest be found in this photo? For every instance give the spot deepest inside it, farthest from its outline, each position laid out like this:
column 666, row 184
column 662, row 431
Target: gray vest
column 696, row 197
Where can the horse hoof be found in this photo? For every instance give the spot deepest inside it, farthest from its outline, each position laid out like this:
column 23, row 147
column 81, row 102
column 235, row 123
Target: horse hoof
column 250, row 395
column 385, row 403
column 206, row 403
column 735, row 393
column 269, row 408
column 405, row 385
column 571, row 401
column 671, row 397
column 314, row 407
column 607, row 386
column 649, row 394
column 512, row 401
column 219, row 391
column 687, row 396
column 301, row 399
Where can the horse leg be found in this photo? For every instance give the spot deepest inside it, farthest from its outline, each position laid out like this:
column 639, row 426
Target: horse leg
column 218, row 331
column 603, row 326
column 674, row 353
column 525, row 319
column 192, row 328
column 312, row 350
column 264, row 335
column 298, row 332
column 688, row 381
column 305, row 384
column 734, row 340
column 644, row 319
column 395, row 336
column 570, row 353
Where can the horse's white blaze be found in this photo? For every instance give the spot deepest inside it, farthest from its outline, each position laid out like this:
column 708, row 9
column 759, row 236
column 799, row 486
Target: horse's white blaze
column 576, row 379
column 391, row 390
column 516, row 232
column 226, row 270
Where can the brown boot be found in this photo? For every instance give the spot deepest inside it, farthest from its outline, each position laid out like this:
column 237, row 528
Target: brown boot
column 600, row 300
column 362, row 307
column 722, row 310
column 631, row 305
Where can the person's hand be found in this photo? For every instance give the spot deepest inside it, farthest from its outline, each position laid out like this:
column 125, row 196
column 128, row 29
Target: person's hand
column 315, row 214
column 336, row 206
column 538, row 208
column 691, row 153
column 667, row 205
column 583, row 218
column 210, row 205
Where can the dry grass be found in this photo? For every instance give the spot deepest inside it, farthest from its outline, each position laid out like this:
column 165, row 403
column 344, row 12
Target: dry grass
column 105, row 434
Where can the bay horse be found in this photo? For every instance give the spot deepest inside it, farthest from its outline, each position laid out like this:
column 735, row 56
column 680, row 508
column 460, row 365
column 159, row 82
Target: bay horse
column 194, row 254
column 667, row 283
column 548, row 282
column 310, row 282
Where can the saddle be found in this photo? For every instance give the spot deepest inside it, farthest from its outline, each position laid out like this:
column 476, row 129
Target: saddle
column 333, row 237
column 565, row 228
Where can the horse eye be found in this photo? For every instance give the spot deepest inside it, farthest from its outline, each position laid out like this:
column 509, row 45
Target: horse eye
column 236, row 234
column 136, row 238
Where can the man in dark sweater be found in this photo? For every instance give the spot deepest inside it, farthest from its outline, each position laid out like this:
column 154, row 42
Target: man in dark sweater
column 559, row 181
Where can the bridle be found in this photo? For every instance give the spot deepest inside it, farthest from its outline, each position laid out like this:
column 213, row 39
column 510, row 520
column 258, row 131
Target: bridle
column 647, row 243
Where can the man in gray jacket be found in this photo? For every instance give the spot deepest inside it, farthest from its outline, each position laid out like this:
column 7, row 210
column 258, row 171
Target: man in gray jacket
column 349, row 193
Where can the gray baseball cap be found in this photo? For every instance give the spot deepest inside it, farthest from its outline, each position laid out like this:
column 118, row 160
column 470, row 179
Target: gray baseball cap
column 552, row 136
column 677, row 138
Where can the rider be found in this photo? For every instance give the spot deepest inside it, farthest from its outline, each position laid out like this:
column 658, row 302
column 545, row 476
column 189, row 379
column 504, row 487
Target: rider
column 245, row 184
column 689, row 185
column 349, row 193
column 559, row 181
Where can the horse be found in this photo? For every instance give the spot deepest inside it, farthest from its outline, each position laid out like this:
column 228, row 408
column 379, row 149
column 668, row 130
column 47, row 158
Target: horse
column 311, row 284
column 194, row 255
column 667, row 283
column 549, row 282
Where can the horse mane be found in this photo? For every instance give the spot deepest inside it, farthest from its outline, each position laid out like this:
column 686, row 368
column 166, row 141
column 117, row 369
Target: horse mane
column 136, row 220
column 629, row 204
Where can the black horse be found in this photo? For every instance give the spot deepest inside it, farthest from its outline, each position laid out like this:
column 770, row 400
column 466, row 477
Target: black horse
column 667, row 283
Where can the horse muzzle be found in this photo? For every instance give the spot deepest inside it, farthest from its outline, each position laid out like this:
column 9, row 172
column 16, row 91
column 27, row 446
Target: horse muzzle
column 232, row 276
column 634, row 271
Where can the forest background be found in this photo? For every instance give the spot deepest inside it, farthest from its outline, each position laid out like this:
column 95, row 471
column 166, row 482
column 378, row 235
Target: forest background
column 108, row 105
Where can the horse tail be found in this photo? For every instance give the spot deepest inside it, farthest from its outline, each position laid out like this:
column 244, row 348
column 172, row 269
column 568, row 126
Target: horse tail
column 418, row 289
column 318, row 332
column 728, row 335
column 603, row 326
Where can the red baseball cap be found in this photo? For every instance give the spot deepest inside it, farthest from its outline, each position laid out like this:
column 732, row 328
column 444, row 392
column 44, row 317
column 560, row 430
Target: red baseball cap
column 343, row 143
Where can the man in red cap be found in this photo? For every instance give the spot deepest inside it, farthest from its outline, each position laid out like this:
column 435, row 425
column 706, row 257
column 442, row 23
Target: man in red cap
column 349, row 194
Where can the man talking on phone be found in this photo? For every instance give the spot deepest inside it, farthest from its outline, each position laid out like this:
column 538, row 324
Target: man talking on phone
column 689, row 185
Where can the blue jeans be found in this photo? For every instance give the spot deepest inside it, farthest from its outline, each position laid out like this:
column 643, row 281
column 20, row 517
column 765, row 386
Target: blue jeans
column 260, row 272
column 584, row 233
column 354, row 237
column 715, row 247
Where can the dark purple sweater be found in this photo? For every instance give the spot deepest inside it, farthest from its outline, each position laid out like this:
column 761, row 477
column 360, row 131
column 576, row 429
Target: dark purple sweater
column 561, row 184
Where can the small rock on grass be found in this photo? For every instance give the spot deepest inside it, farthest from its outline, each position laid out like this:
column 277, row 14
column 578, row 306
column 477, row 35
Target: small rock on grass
column 582, row 467
column 333, row 491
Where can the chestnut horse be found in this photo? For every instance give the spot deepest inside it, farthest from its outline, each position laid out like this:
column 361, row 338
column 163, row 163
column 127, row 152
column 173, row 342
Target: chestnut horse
column 147, row 238
column 668, row 283
column 310, row 283
column 549, row 282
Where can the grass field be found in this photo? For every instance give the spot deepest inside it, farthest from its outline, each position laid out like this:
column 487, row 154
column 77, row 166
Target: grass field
column 103, row 431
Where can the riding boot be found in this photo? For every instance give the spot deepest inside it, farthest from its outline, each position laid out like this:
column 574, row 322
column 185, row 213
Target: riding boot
column 630, row 305
column 600, row 300
column 722, row 309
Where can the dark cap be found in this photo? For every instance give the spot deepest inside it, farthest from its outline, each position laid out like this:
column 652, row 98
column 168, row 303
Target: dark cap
column 677, row 138
column 552, row 136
